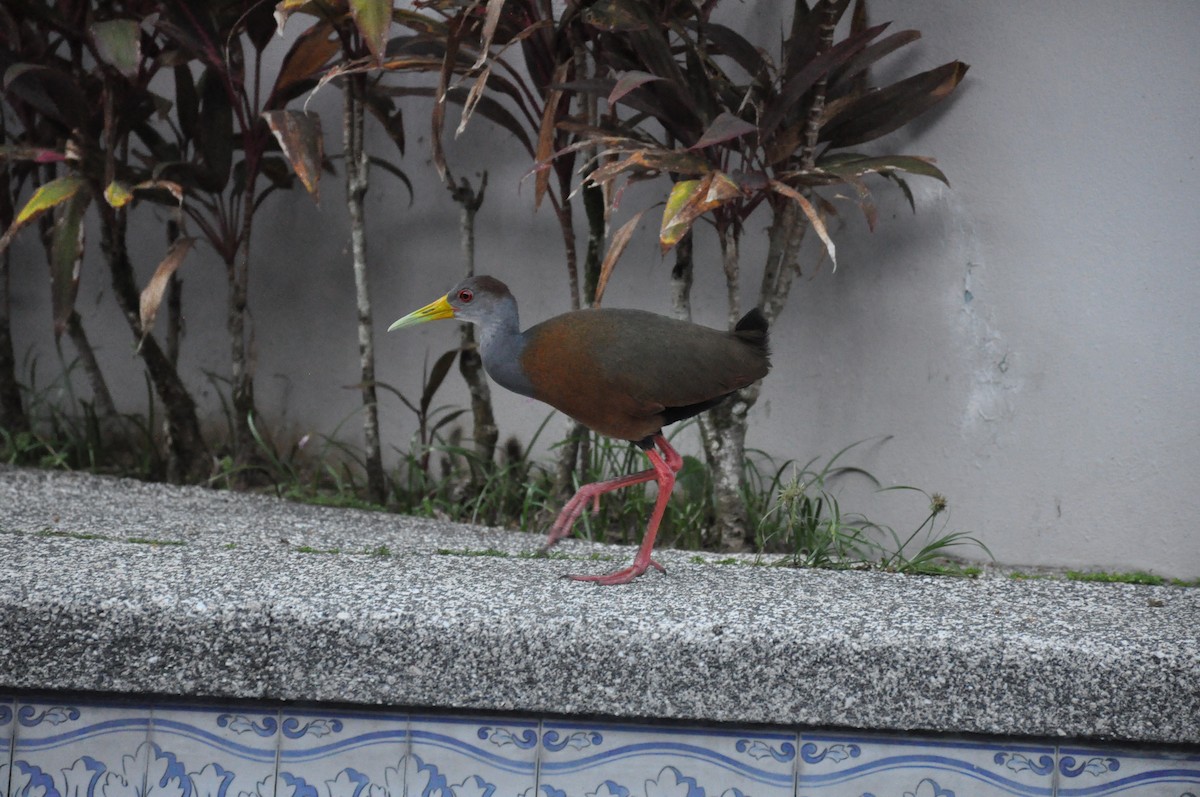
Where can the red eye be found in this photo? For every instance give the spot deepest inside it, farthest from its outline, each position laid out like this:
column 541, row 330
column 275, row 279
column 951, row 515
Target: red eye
column 466, row 295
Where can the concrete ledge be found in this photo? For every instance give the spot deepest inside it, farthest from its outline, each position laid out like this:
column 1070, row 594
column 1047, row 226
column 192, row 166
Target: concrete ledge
column 252, row 604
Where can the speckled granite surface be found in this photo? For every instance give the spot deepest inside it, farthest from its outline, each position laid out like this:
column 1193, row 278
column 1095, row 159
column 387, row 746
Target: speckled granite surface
column 251, row 602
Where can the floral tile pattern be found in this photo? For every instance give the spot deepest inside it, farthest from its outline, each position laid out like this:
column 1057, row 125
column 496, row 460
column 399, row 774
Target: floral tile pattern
column 473, row 757
column 342, row 754
column 7, row 721
column 1098, row 771
column 109, row 749
column 586, row 760
column 76, row 750
column 874, row 766
column 225, row 752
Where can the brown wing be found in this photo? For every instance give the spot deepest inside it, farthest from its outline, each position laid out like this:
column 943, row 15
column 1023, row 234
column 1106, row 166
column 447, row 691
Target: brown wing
column 620, row 372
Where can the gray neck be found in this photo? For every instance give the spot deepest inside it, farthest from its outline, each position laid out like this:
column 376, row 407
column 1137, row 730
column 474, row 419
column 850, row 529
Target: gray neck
column 500, row 345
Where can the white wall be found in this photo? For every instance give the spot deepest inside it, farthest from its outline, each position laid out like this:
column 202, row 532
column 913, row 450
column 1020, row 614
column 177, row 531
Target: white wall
column 1028, row 339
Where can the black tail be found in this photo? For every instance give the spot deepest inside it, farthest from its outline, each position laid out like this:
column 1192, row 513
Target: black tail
column 753, row 330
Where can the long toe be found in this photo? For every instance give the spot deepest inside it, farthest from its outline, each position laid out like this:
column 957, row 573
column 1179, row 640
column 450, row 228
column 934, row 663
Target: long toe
column 622, row 576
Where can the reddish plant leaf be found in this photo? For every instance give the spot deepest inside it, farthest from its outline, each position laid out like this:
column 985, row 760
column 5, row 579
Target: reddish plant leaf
column 170, row 186
column 627, row 82
column 737, row 47
column 49, row 91
column 260, row 25
column 307, row 57
column 860, row 63
column 616, row 248
column 35, row 154
column 793, row 91
column 152, row 294
column 214, row 132
column 818, row 224
column 724, row 128
column 873, row 115
column 546, row 134
column 299, row 136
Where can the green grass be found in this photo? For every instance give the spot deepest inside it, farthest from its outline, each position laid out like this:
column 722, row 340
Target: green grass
column 1135, row 577
column 311, row 549
column 77, row 535
column 491, row 552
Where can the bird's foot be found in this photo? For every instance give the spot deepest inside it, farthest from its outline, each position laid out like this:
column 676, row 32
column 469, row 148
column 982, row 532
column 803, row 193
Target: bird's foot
column 622, row 576
column 571, row 512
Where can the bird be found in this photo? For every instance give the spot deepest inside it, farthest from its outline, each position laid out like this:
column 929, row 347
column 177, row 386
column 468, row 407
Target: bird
column 622, row 373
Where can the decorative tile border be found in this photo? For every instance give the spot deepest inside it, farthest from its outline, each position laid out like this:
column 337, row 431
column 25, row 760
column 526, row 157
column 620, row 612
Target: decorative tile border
column 131, row 749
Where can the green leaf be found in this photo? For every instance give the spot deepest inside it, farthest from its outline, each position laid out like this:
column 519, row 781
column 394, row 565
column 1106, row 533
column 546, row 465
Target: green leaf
column 119, row 44
column 373, row 18
column 856, row 166
column 616, row 15
column 118, row 194
column 436, row 375
column 691, row 199
column 47, row 197
column 66, row 257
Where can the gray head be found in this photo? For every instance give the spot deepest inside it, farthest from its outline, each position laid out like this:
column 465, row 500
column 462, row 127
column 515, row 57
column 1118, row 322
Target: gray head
column 479, row 300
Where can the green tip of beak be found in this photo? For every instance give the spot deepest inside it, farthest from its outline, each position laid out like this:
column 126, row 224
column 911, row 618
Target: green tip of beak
column 430, row 312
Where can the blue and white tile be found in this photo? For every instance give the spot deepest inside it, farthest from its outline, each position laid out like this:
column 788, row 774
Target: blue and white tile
column 876, row 766
column 601, row 760
column 1094, row 772
column 82, row 750
column 342, row 754
column 472, row 757
column 8, row 714
column 222, row 752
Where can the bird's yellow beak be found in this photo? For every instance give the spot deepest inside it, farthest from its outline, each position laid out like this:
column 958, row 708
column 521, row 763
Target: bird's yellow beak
column 430, row 312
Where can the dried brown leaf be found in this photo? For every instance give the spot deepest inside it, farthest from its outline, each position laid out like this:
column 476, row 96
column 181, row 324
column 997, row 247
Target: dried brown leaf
column 152, row 294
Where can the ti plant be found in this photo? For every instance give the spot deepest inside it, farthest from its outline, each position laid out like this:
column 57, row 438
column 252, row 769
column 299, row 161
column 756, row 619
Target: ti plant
column 92, row 133
column 734, row 131
column 79, row 107
column 224, row 154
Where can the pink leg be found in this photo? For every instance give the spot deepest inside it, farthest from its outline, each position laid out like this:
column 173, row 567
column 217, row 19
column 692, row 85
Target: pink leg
column 589, row 493
column 665, row 467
